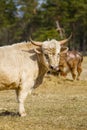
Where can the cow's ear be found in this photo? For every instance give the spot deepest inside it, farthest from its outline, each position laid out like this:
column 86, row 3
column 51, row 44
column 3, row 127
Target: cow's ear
column 38, row 50
column 64, row 50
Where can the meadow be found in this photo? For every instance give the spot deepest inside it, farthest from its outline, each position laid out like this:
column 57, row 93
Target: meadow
column 58, row 104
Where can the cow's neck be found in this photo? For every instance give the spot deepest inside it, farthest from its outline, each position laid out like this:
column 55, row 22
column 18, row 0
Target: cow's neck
column 42, row 70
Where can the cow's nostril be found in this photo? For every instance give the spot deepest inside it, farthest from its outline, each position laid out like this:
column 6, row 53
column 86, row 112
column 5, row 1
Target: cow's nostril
column 52, row 67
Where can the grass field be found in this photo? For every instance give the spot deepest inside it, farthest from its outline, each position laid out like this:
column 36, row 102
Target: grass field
column 58, row 104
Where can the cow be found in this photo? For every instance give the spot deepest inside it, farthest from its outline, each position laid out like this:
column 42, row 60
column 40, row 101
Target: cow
column 71, row 62
column 24, row 65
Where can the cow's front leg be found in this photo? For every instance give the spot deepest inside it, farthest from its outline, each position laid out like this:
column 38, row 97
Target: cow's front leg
column 21, row 96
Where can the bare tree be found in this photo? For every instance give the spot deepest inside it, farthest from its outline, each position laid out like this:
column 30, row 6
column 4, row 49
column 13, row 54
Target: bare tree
column 60, row 30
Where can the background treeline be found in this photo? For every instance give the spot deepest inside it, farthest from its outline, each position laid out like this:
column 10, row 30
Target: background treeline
column 20, row 19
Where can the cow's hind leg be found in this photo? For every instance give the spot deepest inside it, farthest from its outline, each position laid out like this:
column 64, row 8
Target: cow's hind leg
column 21, row 96
column 79, row 70
column 73, row 73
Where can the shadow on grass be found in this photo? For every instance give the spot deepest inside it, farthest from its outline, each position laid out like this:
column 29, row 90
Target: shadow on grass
column 71, row 80
column 7, row 113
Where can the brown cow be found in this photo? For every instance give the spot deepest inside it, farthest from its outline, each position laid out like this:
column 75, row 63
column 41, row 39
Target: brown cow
column 71, row 62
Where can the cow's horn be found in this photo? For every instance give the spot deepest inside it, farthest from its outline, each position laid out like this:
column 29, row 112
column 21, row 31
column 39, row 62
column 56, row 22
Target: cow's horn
column 37, row 51
column 65, row 50
column 35, row 43
column 66, row 40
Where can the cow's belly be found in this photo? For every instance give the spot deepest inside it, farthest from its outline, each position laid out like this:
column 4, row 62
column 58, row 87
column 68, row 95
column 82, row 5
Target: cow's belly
column 12, row 76
column 7, row 86
column 8, row 80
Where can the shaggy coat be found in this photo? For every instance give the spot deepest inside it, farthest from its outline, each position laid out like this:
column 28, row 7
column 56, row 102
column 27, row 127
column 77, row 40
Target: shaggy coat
column 23, row 66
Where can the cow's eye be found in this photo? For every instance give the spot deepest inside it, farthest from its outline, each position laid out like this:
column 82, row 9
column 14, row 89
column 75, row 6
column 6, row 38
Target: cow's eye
column 46, row 56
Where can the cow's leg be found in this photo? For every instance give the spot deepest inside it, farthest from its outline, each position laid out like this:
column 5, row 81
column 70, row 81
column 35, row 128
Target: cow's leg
column 64, row 74
column 21, row 96
column 79, row 70
column 73, row 73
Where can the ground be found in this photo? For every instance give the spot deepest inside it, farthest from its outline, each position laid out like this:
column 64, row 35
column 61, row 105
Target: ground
column 58, row 104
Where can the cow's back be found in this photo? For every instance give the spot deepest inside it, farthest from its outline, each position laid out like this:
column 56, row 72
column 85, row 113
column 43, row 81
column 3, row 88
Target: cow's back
column 74, row 57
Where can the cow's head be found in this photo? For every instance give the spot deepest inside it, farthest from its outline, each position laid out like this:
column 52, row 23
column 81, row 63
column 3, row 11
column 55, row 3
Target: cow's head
column 51, row 51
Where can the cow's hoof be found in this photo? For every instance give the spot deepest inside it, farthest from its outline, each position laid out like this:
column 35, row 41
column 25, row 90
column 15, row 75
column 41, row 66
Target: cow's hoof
column 78, row 79
column 23, row 114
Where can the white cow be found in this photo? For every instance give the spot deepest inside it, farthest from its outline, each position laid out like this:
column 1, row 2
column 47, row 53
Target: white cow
column 23, row 66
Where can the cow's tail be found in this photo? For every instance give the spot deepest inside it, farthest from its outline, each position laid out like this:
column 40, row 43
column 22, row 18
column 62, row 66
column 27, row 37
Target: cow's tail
column 81, row 59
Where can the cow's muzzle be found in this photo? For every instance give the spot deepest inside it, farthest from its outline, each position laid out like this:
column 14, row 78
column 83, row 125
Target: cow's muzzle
column 54, row 68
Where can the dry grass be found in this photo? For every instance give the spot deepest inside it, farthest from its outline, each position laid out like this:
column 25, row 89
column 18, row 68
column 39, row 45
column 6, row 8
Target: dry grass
column 58, row 104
